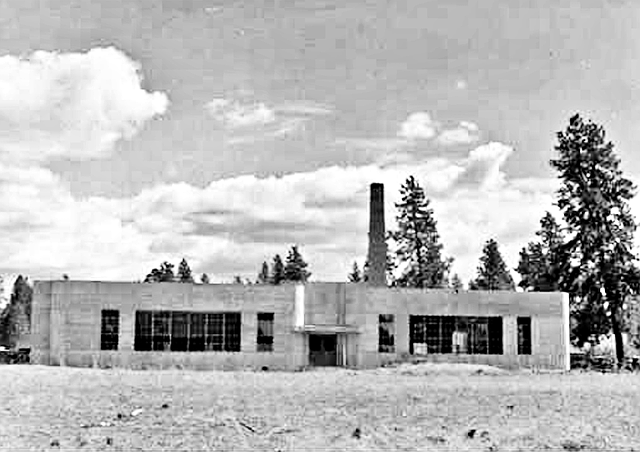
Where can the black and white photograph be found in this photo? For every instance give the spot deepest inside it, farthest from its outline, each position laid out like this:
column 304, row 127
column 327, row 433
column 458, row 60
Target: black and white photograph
column 319, row 225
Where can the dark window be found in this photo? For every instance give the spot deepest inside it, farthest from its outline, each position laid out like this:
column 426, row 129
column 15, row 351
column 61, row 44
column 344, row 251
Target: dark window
column 386, row 333
column 109, row 330
column 144, row 331
column 179, row 331
column 162, row 331
column 455, row 334
column 214, row 332
column 524, row 335
column 196, row 332
column 232, row 326
column 495, row 336
column 265, row 332
column 187, row 331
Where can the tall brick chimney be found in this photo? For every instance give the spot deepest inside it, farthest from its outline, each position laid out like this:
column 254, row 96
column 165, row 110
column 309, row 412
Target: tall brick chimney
column 377, row 256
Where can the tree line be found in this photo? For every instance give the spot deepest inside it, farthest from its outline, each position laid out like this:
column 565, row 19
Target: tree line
column 587, row 253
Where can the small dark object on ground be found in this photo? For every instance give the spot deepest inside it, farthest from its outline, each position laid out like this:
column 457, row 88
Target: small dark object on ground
column 510, row 407
column 12, row 356
column 572, row 446
column 471, row 433
column 120, row 416
column 356, row 433
column 109, row 441
column 436, row 439
column 265, row 369
column 55, row 443
column 165, row 406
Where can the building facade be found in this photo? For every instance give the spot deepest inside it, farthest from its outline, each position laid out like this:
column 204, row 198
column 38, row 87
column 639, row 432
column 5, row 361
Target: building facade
column 288, row 327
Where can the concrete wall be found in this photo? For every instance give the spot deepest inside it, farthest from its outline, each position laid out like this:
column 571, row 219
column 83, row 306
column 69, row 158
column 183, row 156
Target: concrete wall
column 75, row 321
column 549, row 333
column 66, row 322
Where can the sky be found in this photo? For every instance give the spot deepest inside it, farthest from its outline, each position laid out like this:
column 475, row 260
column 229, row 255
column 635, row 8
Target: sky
column 134, row 132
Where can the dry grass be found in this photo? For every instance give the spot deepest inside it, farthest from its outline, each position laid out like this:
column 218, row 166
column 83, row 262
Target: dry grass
column 424, row 407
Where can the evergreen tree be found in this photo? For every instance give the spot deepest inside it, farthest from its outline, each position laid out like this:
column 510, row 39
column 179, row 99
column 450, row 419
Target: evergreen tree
column 163, row 274
column 263, row 276
column 594, row 199
column 15, row 320
column 295, row 268
column 541, row 262
column 355, row 276
column 492, row 272
column 277, row 270
column 418, row 248
column 456, row 282
column 204, row 279
column 237, row 279
column 184, row 272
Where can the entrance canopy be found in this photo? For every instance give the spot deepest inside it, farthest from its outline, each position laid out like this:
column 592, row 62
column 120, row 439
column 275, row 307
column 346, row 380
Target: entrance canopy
column 327, row 329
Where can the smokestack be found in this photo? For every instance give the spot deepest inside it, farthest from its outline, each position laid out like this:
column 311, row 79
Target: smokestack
column 377, row 256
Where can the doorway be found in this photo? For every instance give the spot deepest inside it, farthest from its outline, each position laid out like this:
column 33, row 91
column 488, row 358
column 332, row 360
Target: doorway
column 322, row 350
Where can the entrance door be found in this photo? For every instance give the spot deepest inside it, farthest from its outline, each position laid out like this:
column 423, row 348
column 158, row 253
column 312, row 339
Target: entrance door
column 322, row 349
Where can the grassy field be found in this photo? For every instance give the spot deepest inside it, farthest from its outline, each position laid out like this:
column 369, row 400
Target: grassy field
column 425, row 408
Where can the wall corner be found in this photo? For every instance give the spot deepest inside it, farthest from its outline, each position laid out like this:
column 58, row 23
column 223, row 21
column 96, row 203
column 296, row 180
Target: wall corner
column 566, row 331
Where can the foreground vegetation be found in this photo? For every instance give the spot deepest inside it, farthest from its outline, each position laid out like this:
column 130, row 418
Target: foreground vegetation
column 408, row 408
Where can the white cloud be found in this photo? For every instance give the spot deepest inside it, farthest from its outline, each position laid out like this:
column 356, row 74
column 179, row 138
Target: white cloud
column 305, row 108
column 483, row 166
column 248, row 121
column 75, row 105
column 465, row 133
column 418, row 125
column 230, row 226
column 235, row 114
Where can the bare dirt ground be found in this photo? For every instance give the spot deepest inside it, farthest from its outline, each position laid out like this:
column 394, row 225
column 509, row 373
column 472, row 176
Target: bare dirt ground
column 423, row 407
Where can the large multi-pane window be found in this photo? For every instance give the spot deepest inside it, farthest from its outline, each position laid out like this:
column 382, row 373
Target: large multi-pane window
column 265, row 332
column 455, row 334
column 187, row 331
column 524, row 335
column 386, row 333
column 109, row 329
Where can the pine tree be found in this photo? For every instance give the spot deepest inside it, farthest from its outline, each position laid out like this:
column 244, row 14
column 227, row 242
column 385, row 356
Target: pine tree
column 418, row 248
column 263, row 276
column 295, row 268
column 163, row 274
column 16, row 317
column 277, row 270
column 204, row 279
column 355, row 276
column 456, row 282
column 541, row 262
column 492, row 272
column 594, row 199
column 184, row 272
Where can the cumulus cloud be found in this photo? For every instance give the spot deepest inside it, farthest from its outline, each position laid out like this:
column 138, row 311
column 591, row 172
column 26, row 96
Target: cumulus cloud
column 465, row 133
column 231, row 225
column 483, row 166
column 418, row 126
column 73, row 105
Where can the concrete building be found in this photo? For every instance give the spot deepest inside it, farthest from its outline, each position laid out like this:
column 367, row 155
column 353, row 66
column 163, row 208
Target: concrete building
column 291, row 326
